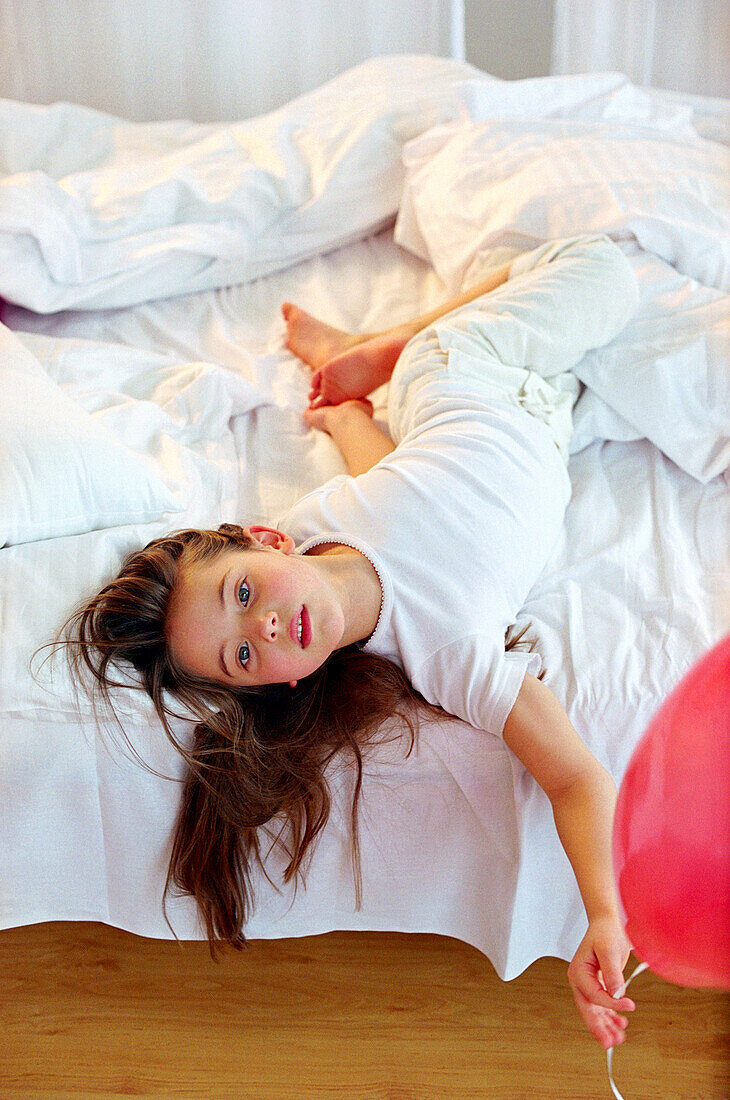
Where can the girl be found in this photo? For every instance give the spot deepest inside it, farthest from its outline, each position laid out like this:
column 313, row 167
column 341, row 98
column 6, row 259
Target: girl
column 390, row 591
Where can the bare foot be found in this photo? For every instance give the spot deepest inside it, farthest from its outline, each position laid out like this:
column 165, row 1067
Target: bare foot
column 312, row 340
column 346, row 367
column 358, row 370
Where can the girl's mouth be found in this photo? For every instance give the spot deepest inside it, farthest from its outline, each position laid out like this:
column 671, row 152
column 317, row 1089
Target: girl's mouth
column 301, row 628
column 305, row 628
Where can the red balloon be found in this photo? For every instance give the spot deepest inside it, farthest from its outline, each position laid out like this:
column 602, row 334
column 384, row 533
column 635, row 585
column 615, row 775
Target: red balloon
column 671, row 832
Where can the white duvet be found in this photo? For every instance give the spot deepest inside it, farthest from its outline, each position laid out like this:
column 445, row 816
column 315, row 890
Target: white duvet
column 168, row 248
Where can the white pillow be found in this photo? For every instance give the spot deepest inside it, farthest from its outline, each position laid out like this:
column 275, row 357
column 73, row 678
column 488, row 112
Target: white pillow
column 668, row 373
column 60, row 472
column 477, row 195
column 471, row 189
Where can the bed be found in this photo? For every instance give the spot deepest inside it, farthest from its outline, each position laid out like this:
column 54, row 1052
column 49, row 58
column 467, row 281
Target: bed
column 146, row 387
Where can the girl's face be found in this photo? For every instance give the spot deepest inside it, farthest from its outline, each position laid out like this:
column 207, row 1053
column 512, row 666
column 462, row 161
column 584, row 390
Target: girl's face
column 253, row 617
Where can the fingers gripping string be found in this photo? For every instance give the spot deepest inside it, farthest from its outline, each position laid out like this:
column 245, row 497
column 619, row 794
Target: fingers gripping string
column 609, row 1053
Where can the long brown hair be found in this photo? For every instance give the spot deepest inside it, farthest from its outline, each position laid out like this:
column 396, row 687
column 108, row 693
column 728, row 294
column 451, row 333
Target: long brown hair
column 259, row 755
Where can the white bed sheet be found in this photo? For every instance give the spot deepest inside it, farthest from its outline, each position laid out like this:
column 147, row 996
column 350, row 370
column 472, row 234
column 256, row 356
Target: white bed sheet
column 457, row 839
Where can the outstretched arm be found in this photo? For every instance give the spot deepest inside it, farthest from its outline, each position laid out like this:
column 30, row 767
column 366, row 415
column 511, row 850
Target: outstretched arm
column 583, row 797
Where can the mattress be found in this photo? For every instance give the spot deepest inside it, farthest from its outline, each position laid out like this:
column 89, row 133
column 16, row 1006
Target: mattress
column 143, row 268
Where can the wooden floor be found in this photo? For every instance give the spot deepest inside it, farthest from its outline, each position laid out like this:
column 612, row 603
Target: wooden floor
column 91, row 1011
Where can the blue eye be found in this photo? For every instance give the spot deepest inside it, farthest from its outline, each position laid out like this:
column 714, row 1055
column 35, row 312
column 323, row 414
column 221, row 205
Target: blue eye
column 243, row 654
column 244, row 593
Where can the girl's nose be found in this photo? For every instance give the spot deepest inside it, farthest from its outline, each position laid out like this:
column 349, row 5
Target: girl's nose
column 269, row 625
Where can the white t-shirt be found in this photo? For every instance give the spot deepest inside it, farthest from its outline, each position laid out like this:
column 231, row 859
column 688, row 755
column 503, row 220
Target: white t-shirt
column 458, row 522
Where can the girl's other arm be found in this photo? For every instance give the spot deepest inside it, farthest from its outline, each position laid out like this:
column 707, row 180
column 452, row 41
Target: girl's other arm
column 351, row 426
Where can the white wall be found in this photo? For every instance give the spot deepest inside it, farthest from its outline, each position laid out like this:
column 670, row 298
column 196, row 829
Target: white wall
column 204, row 60
column 509, row 38
column 678, row 45
column 220, row 59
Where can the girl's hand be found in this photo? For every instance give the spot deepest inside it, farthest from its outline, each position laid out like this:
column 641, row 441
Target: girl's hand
column 326, row 417
column 597, row 971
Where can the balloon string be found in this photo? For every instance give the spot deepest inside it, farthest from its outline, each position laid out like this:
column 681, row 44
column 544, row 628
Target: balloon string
column 609, row 1053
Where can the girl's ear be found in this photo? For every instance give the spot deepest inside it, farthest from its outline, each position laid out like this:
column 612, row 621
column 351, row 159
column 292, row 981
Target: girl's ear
column 269, row 536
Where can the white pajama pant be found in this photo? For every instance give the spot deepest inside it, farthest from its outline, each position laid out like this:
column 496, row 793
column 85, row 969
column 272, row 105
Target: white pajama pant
column 519, row 343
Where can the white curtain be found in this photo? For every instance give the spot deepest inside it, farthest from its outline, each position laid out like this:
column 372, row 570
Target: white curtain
column 205, row 60
column 680, row 45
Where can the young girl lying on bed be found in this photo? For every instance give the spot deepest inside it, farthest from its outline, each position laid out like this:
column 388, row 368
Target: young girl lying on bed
column 388, row 592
